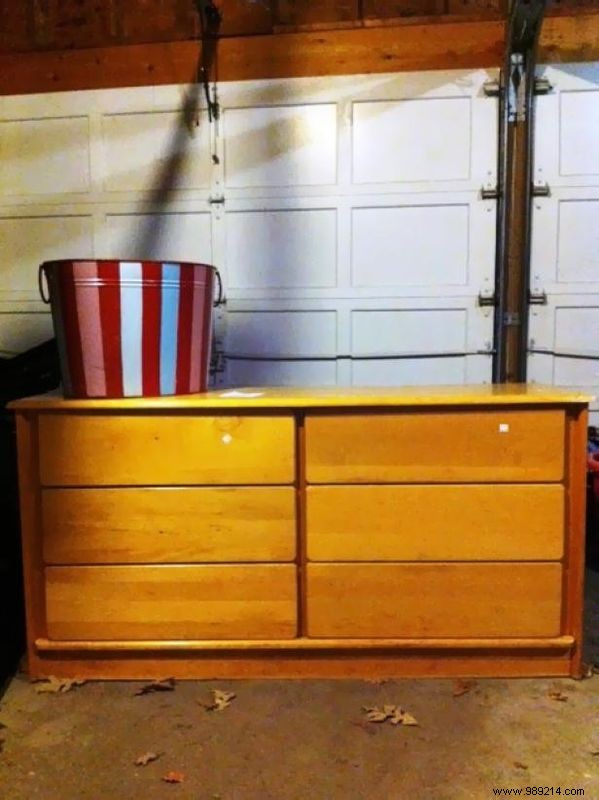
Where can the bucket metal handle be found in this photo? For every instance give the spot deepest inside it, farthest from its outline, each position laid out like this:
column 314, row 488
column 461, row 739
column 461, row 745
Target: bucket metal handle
column 42, row 272
column 220, row 298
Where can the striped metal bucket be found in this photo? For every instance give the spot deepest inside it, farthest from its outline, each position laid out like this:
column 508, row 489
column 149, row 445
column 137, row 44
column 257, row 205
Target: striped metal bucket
column 131, row 328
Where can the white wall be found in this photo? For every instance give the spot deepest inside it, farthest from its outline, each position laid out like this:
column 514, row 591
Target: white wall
column 352, row 223
column 565, row 257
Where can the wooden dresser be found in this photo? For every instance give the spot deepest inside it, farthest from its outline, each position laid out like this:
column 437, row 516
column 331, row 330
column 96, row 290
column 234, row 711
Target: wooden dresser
column 289, row 533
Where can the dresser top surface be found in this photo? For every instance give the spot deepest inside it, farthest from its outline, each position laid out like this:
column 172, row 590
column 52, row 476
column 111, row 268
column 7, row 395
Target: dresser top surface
column 329, row 397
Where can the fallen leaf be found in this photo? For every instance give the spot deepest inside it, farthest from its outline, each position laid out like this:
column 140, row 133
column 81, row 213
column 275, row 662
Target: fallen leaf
column 557, row 694
column 520, row 765
column 146, row 758
column 401, row 717
column 461, row 687
column 57, row 685
column 395, row 715
column 220, row 700
column 374, row 714
column 164, row 685
column 173, row 777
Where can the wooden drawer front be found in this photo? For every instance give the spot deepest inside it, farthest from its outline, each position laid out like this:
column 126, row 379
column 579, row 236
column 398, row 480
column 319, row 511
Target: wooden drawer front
column 428, row 600
column 120, row 526
column 468, row 522
column 431, row 446
column 135, row 450
column 171, row 602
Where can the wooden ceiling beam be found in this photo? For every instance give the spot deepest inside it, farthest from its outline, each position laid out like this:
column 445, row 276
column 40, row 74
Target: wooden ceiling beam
column 452, row 45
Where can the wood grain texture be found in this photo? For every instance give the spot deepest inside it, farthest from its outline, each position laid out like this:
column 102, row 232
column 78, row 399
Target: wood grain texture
column 304, row 644
column 99, row 450
column 573, row 588
column 476, row 446
column 461, row 600
column 452, row 45
column 263, row 398
column 29, row 504
column 168, row 525
column 189, row 666
column 166, row 602
column 516, row 522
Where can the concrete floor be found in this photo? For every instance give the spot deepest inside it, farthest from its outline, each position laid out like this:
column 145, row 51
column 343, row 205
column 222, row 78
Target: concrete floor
column 286, row 740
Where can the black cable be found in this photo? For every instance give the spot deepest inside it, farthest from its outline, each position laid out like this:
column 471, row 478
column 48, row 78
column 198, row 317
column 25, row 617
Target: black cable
column 210, row 21
column 579, row 356
column 340, row 357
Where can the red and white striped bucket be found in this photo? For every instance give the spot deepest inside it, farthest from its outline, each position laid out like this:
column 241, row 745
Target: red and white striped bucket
column 131, row 328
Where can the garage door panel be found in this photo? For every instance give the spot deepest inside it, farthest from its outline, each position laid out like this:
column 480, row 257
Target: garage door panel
column 563, row 333
column 48, row 155
column 292, row 145
column 394, row 246
column 174, row 236
column 282, row 333
column 425, row 139
column 282, row 248
column 566, row 121
column 409, row 372
column 578, row 240
column 140, row 150
column 281, row 373
column 408, row 331
column 579, row 122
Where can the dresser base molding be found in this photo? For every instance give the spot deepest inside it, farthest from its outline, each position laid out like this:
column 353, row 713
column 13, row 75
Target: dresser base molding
column 306, row 658
column 356, row 664
column 303, row 644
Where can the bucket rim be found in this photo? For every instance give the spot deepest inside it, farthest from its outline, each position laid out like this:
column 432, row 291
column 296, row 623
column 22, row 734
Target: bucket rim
column 57, row 262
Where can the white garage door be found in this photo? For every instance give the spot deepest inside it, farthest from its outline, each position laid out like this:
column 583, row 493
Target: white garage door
column 353, row 237
column 344, row 213
column 564, row 333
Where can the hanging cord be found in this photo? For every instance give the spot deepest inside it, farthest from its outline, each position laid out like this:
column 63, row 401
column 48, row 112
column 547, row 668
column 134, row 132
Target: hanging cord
column 210, row 21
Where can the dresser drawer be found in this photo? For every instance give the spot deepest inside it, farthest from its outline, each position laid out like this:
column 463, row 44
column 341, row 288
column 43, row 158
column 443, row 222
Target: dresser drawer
column 428, row 600
column 171, row 602
column 177, row 525
column 452, row 522
column 97, row 450
column 436, row 446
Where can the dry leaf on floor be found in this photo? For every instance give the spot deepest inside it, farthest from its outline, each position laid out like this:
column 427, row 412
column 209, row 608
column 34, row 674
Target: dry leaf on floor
column 146, row 758
column 220, row 700
column 164, row 685
column 401, row 717
column 376, row 714
column 395, row 715
column 557, row 694
column 461, row 687
column 57, row 685
column 173, row 777
column 520, row 765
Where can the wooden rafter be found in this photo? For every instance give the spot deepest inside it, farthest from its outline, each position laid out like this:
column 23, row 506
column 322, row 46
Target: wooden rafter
column 453, row 45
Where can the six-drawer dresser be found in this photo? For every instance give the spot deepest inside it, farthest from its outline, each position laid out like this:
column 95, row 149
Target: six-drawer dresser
column 288, row 533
